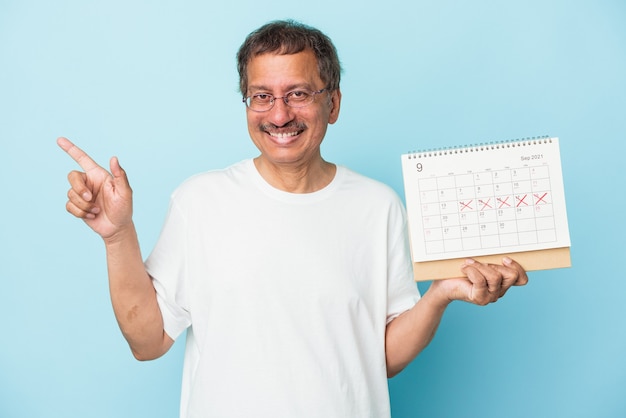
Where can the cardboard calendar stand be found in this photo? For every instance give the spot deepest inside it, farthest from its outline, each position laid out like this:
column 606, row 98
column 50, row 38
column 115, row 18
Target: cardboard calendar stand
column 530, row 260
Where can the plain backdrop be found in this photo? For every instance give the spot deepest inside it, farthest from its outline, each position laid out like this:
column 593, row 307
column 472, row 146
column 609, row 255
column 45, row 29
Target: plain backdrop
column 154, row 82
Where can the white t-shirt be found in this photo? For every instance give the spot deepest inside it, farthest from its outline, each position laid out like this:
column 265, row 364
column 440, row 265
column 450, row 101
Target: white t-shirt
column 285, row 297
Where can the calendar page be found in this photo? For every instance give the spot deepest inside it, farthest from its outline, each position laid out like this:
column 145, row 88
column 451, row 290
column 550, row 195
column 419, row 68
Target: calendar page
column 498, row 198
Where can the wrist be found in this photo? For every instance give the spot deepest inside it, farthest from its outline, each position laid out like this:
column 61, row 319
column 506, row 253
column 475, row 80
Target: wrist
column 121, row 235
column 437, row 296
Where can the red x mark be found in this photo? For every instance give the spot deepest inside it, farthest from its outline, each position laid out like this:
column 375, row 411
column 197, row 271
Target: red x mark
column 520, row 201
column 485, row 204
column 503, row 202
column 466, row 205
column 540, row 198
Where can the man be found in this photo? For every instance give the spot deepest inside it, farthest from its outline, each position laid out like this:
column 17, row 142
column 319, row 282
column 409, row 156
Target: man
column 290, row 274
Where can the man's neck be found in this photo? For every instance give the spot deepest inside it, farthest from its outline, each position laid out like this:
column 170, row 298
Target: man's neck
column 306, row 178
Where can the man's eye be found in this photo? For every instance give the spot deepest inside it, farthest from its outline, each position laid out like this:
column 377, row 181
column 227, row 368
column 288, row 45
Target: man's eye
column 262, row 97
column 298, row 95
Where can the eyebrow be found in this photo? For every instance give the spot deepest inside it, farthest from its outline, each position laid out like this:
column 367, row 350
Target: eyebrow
column 289, row 88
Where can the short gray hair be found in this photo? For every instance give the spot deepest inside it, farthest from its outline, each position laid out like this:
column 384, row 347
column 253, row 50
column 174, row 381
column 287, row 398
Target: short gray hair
column 286, row 37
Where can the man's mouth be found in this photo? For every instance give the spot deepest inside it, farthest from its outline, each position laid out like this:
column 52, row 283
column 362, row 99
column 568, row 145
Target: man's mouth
column 283, row 132
column 283, row 135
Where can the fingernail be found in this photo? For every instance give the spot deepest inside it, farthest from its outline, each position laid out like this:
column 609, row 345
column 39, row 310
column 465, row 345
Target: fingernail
column 87, row 196
column 507, row 261
column 95, row 210
column 469, row 261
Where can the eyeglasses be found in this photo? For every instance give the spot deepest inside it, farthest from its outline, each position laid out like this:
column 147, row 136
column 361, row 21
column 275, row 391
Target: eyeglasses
column 262, row 102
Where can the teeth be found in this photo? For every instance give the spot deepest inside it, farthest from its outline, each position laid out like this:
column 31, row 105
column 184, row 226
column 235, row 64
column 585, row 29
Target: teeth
column 283, row 135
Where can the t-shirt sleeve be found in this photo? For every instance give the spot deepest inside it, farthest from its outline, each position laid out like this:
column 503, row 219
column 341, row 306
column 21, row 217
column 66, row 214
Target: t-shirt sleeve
column 166, row 265
column 402, row 291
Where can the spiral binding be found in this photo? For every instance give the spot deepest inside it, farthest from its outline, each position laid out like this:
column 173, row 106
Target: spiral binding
column 485, row 146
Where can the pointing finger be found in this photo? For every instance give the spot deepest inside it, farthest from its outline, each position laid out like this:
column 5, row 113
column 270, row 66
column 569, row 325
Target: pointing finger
column 84, row 161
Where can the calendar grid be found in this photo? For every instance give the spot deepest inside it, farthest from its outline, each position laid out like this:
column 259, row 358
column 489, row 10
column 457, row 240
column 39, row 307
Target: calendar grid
column 488, row 209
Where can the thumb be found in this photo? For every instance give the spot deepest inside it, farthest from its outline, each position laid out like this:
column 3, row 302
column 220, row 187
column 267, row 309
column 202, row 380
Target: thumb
column 116, row 168
column 119, row 175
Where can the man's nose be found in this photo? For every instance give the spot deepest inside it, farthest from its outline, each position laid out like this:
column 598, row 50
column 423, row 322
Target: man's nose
column 280, row 114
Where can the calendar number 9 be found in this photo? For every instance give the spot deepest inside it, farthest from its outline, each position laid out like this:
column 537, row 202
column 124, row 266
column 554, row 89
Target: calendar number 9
column 419, row 167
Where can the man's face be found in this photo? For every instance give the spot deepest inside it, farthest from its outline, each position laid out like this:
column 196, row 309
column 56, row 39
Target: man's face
column 289, row 136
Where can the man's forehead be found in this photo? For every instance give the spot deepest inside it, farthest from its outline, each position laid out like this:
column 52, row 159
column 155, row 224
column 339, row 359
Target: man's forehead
column 286, row 71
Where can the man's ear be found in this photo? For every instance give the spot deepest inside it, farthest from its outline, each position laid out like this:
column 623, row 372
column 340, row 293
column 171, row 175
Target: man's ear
column 335, row 103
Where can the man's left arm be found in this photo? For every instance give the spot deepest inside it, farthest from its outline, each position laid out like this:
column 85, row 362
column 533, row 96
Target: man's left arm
column 408, row 334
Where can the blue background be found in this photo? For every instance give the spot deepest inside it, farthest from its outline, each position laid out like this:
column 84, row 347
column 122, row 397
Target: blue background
column 155, row 83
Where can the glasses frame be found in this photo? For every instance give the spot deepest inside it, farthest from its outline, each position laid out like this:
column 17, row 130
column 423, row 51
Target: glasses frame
column 285, row 99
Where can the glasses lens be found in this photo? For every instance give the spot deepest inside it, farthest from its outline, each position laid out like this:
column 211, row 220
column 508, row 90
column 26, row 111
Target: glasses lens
column 299, row 98
column 260, row 101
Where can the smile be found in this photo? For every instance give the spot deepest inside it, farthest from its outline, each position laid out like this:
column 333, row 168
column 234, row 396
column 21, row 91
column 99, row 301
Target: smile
column 282, row 135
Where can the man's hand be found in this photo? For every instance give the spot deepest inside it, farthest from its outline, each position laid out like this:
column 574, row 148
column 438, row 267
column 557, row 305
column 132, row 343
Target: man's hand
column 485, row 283
column 102, row 199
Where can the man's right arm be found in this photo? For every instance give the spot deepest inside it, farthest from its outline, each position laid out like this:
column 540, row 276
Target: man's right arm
column 133, row 297
column 103, row 201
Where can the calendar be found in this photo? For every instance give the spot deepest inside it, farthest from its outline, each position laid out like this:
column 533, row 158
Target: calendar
column 504, row 198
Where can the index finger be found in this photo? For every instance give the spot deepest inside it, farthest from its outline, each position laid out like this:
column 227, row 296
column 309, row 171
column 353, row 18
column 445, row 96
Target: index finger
column 84, row 161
